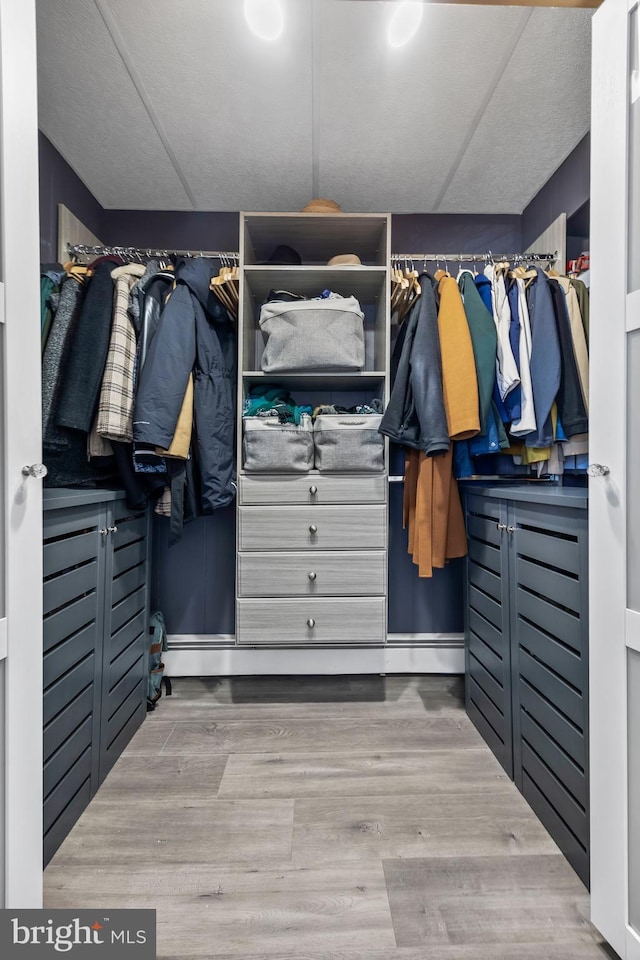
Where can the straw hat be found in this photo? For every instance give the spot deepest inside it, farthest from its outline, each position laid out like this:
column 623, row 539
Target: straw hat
column 320, row 205
column 345, row 260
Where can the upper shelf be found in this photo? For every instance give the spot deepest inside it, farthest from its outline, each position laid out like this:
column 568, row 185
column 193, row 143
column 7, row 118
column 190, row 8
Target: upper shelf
column 317, row 237
column 365, row 283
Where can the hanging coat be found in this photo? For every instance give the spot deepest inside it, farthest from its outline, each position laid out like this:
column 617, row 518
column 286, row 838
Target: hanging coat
column 578, row 336
column 432, row 511
column 571, row 407
column 55, row 357
column 506, row 367
column 115, row 407
column 484, row 340
column 545, row 359
column 88, row 354
column 193, row 334
column 459, row 379
column 415, row 415
column 526, row 422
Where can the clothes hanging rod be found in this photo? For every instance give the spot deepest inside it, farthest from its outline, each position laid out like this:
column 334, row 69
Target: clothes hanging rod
column 487, row 257
column 76, row 250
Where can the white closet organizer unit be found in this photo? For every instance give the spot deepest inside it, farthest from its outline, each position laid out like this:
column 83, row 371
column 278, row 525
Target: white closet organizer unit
column 312, row 547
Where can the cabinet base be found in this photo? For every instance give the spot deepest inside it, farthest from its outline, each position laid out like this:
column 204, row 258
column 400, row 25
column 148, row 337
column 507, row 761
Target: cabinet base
column 214, row 656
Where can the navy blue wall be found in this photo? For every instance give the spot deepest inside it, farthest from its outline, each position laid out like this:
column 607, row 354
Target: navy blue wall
column 172, row 229
column 60, row 184
column 455, row 233
column 193, row 582
column 566, row 191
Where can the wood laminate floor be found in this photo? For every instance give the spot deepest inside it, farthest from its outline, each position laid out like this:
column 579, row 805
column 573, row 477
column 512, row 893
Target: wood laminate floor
column 338, row 818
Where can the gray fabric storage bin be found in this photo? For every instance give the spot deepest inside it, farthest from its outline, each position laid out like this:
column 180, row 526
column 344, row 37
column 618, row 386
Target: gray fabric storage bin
column 312, row 335
column 269, row 446
column 349, row 442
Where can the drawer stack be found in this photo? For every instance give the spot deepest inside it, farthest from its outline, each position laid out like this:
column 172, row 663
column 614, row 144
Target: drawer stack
column 312, row 560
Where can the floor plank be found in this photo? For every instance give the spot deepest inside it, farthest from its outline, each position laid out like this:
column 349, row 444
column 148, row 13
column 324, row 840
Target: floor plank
column 487, row 900
column 180, row 831
column 321, row 736
column 524, row 951
column 150, row 738
column 260, row 698
column 331, row 818
column 195, row 778
column 446, row 825
column 255, row 775
column 435, row 690
column 254, row 912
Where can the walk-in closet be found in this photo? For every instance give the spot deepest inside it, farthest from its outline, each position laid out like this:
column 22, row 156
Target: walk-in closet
column 318, row 598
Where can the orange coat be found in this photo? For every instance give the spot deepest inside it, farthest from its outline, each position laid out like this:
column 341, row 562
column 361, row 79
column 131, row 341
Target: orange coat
column 459, row 378
column 432, row 511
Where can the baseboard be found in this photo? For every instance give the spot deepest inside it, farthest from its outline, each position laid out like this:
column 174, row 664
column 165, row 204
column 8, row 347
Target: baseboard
column 215, row 656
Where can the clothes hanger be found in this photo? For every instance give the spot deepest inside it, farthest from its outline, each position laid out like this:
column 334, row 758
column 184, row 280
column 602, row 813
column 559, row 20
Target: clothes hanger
column 551, row 272
column 462, row 270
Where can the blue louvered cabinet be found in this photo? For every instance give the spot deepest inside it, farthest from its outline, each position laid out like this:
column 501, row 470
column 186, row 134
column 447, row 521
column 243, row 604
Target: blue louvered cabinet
column 526, row 630
column 96, row 561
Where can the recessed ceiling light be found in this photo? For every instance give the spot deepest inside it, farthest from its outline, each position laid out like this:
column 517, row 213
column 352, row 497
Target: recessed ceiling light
column 265, row 17
column 404, row 22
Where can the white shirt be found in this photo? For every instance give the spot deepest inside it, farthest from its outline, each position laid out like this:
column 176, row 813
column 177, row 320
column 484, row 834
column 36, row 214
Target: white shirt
column 527, row 422
column 506, row 369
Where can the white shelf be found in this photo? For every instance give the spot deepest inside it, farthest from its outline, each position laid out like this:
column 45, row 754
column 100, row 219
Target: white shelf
column 365, row 379
column 317, row 237
column 367, row 284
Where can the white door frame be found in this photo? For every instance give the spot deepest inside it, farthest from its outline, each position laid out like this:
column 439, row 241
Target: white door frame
column 610, row 312
column 20, row 254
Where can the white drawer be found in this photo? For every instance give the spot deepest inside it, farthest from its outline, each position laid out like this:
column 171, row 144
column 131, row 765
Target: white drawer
column 311, row 621
column 352, row 527
column 302, row 575
column 287, row 488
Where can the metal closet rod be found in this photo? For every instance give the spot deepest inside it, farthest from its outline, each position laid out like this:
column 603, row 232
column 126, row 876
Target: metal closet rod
column 146, row 253
column 488, row 257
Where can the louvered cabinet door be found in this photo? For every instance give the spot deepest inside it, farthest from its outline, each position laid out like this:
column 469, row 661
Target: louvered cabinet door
column 125, row 647
column 73, row 557
column 550, row 671
column 487, row 644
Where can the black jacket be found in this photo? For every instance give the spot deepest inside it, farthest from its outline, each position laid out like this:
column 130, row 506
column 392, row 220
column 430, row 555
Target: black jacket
column 571, row 406
column 416, row 415
column 151, row 293
column 87, row 356
column 193, row 334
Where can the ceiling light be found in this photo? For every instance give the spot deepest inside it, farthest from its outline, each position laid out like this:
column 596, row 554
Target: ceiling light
column 265, row 17
column 404, row 22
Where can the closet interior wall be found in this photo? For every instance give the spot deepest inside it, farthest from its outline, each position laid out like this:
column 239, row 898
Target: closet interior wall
column 193, row 581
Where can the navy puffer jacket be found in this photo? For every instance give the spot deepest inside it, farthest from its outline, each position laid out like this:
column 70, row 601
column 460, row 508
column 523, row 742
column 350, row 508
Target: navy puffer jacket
column 194, row 334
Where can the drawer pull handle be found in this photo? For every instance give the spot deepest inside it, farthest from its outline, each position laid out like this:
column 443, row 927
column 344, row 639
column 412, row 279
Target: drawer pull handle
column 311, row 623
column 313, row 528
column 511, row 529
column 113, row 529
column 313, row 490
column 103, row 531
column 501, row 526
column 312, row 575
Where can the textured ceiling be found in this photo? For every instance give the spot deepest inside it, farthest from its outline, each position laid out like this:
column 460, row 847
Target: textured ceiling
column 175, row 105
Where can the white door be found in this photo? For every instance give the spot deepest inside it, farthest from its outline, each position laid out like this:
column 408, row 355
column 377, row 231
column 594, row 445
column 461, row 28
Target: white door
column 20, row 446
column 614, row 496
